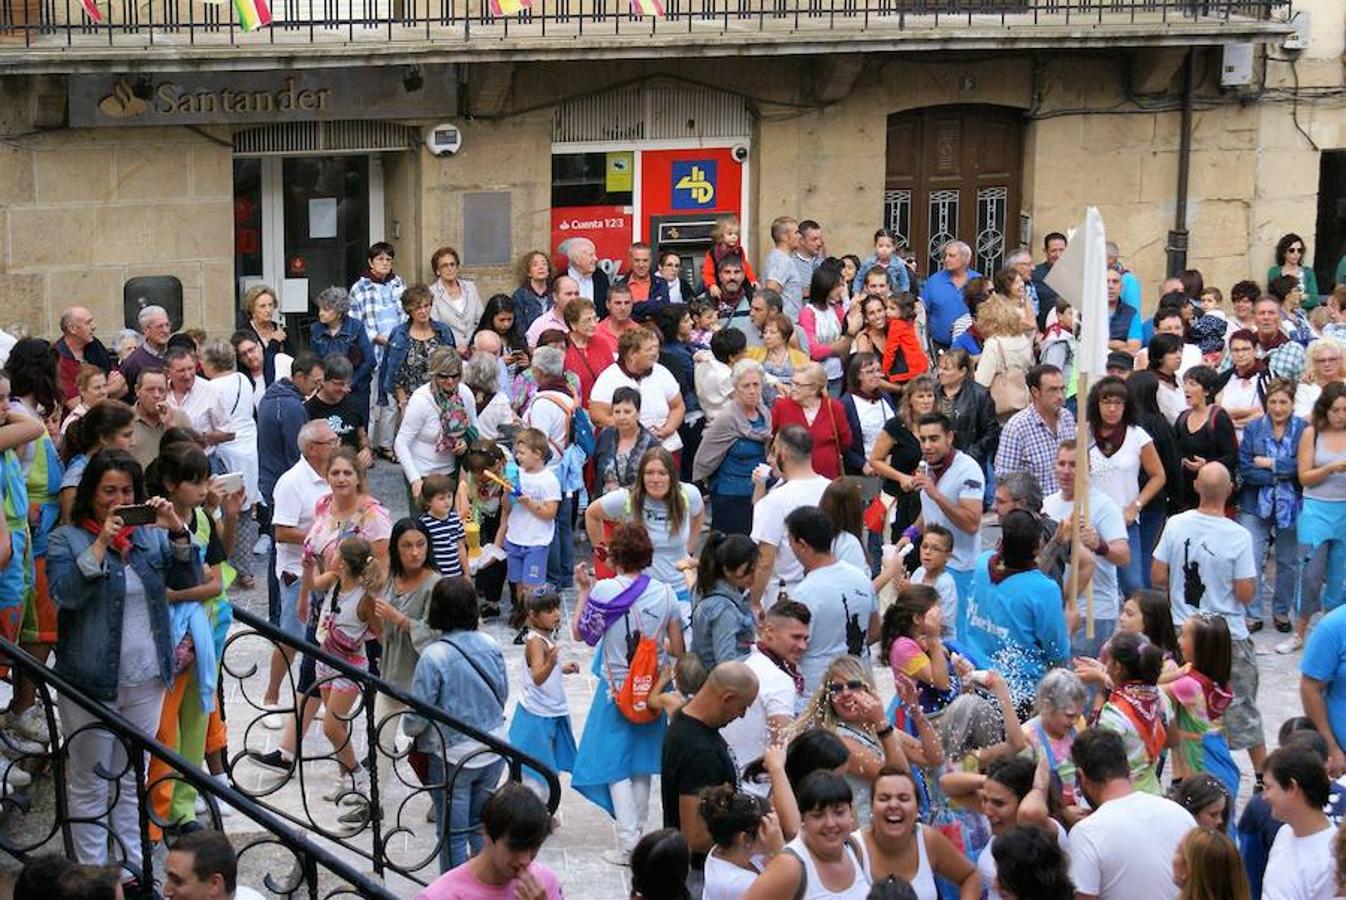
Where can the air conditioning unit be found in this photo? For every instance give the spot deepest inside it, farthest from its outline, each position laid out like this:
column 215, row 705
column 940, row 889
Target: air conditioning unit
column 1300, row 39
column 1236, row 68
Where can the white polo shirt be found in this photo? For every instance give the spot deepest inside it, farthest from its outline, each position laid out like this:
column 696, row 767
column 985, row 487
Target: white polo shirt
column 295, row 498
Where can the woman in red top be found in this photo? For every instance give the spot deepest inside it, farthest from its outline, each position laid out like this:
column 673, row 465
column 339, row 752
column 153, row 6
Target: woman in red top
column 809, row 405
column 587, row 352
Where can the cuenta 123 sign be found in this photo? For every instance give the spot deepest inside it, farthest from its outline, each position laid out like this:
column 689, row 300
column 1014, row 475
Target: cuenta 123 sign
column 223, row 98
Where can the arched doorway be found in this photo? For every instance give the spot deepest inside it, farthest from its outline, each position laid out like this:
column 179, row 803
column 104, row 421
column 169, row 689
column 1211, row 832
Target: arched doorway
column 953, row 172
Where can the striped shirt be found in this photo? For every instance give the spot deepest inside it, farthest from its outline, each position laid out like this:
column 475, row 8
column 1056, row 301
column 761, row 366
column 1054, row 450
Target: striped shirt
column 444, row 537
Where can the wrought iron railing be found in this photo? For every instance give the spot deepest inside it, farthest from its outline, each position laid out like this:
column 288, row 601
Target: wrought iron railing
column 393, row 810
column 39, row 823
column 174, row 23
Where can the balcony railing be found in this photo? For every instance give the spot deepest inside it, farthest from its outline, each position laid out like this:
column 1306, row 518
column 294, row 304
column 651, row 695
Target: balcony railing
column 51, row 24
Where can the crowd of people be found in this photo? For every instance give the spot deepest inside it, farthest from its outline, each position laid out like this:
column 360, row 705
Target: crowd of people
column 757, row 497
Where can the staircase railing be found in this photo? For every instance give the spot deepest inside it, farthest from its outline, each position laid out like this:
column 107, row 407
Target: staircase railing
column 314, row 870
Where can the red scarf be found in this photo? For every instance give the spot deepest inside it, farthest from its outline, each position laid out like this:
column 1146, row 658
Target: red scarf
column 784, row 665
column 1218, row 697
column 999, row 571
column 1258, row 367
column 1109, row 439
column 938, row 469
column 121, row 542
column 378, row 279
column 1266, row 345
column 1142, row 706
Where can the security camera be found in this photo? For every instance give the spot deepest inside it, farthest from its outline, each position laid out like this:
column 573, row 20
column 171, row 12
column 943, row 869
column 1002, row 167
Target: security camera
column 740, row 153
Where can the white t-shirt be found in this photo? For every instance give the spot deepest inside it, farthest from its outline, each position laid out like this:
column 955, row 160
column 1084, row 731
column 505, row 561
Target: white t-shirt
column 669, row 546
column 547, row 415
column 1205, row 554
column 1124, row 849
column 1300, row 868
column 768, row 524
column 872, row 414
column 846, row 547
column 986, row 861
column 294, row 499
column 747, row 736
column 1118, row 475
column 1106, row 518
column 963, row 480
column 841, row 598
column 657, row 391
column 525, row 529
column 1241, row 393
column 724, row 880
column 948, row 597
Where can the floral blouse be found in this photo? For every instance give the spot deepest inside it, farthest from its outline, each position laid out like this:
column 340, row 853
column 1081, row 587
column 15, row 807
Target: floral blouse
column 370, row 521
column 416, row 370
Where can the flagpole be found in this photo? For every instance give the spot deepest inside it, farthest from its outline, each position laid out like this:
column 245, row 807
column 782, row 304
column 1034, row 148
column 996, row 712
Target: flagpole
column 1081, row 516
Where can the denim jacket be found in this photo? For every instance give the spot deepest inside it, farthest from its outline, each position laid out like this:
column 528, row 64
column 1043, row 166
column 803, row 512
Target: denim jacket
column 352, row 343
column 723, row 627
column 899, row 276
column 399, row 343
column 446, row 680
column 1256, row 438
column 89, row 597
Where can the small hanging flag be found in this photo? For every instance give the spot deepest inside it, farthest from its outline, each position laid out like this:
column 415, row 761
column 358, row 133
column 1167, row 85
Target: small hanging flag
column 252, row 14
column 509, row 7
column 91, row 10
column 647, row 8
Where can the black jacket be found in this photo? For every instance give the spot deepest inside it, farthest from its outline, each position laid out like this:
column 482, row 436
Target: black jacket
column 975, row 426
column 853, row 457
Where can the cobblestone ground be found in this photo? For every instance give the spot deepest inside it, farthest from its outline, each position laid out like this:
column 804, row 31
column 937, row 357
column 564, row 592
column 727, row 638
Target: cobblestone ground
column 575, row 850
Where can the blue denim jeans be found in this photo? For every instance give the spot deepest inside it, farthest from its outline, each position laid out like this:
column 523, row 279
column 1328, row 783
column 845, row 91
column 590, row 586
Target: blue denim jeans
column 1288, row 562
column 1151, row 525
column 471, row 789
column 561, row 557
column 1131, row 577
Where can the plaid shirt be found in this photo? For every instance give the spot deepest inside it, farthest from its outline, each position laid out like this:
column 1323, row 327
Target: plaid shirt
column 1027, row 444
column 378, row 307
column 1289, row 360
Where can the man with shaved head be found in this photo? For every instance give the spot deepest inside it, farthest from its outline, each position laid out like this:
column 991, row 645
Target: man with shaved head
column 77, row 346
column 1205, row 560
column 696, row 757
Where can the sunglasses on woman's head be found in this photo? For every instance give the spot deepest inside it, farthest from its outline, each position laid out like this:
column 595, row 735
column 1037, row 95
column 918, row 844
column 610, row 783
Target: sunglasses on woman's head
column 836, row 687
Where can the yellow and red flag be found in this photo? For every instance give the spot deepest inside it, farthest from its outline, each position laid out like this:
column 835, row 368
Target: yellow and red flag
column 509, row 7
column 252, row 14
column 647, row 8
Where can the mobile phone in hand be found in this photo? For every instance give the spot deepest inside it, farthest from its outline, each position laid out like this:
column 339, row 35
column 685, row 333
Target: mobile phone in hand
column 139, row 514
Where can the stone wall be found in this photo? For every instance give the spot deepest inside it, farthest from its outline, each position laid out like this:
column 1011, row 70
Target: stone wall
column 81, row 211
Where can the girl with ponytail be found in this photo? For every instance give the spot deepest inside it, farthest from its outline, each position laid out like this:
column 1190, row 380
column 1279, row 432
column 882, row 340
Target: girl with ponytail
column 723, row 625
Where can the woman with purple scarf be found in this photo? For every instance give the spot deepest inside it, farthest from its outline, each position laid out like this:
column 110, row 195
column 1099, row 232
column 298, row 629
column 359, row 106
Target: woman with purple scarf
column 617, row 758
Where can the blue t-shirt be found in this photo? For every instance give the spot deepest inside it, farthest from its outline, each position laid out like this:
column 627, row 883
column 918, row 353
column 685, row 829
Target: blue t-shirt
column 1017, row 626
column 1325, row 660
column 734, row 477
column 943, row 304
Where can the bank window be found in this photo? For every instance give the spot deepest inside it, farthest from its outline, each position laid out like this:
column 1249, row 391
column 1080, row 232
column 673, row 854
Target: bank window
column 585, row 179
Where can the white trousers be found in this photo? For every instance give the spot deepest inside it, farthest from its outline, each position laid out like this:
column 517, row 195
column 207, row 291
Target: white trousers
column 630, row 806
column 111, row 805
column 382, row 421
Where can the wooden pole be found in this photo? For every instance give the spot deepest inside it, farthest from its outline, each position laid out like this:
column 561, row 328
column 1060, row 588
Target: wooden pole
column 1081, row 515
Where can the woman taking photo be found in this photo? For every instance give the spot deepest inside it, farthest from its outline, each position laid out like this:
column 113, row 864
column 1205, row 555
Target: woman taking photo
column 587, row 352
column 1205, row 431
column 810, row 407
column 110, row 582
column 780, row 362
column 897, row 453
column 1270, row 500
column 438, row 423
column 868, row 407
column 1007, row 355
column 264, row 323
column 463, row 671
column 824, row 859
column 1121, row 450
column 406, row 365
column 823, row 319
column 969, row 406
column 455, row 301
column 895, row 843
column 661, row 403
column 732, row 446
column 500, row 319
column 1322, row 472
column 618, row 758
column 534, row 290
column 671, row 513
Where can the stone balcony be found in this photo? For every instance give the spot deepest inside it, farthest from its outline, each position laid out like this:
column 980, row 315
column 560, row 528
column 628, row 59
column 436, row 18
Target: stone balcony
column 58, row 35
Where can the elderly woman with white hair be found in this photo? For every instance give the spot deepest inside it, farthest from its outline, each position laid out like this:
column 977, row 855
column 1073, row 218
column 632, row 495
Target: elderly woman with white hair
column 732, row 446
column 550, row 411
column 1061, row 703
column 235, row 392
column 481, row 374
column 437, row 421
column 1324, row 367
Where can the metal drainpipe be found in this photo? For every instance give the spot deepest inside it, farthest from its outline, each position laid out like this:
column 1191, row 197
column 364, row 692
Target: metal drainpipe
column 1177, row 237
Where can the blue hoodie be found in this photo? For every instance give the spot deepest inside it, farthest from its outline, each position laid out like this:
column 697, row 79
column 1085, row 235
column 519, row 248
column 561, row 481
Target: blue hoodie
column 280, row 415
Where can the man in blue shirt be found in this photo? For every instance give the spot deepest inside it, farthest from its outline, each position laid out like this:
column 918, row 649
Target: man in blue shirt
column 1016, row 620
column 1123, row 320
column 943, row 295
column 1130, row 283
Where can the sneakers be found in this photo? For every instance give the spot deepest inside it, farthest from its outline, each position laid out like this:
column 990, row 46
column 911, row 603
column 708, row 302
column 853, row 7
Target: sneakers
column 263, row 545
column 275, row 761
column 617, row 857
column 1290, row 645
column 354, row 792
column 356, row 816
column 33, row 725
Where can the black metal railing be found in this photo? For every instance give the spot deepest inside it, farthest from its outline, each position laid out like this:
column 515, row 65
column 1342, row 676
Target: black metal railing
column 173, row 23
column 39, row 818
column 391, row 809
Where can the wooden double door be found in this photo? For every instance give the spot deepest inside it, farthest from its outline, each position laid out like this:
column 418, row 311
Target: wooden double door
column 953, row 173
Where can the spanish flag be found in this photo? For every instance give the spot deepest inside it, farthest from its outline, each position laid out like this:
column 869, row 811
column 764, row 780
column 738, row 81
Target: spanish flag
column 252, row 14
column 647, row 8
column 509, row 7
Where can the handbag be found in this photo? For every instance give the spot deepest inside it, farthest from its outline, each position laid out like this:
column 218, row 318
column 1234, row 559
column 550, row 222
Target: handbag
column 1009, row 391
column 330, row 637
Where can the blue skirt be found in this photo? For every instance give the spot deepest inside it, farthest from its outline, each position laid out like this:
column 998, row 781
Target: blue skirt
column 614, row 749
column 1321, row 521
column 548, row 739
